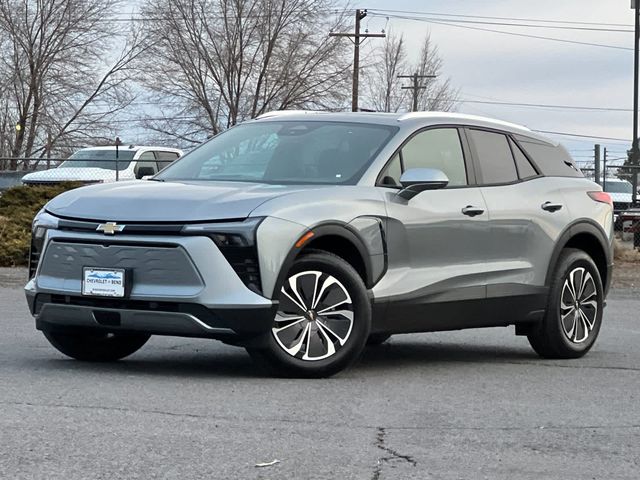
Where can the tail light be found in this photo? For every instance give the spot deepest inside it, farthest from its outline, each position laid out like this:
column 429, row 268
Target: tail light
column 602, row 197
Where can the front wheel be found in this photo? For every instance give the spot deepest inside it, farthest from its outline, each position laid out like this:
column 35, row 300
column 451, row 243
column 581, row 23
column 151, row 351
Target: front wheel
column 96, row 346
column 574, row 311
column 323, row 320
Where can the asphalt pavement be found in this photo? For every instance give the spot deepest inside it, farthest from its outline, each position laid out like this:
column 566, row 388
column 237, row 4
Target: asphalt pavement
column 476, row 404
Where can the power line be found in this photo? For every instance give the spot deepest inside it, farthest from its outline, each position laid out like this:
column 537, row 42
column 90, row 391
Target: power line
column 525, row 35
column 525, row 25
column 548, row 105
column 571, row 22
column 566, row 134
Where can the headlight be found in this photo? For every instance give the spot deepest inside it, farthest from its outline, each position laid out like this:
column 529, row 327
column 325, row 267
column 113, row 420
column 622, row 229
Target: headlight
column 41, row 223
column 237, row 242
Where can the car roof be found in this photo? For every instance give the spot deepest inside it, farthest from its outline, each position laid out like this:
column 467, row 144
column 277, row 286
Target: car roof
column 133, row 148
column 411, row 119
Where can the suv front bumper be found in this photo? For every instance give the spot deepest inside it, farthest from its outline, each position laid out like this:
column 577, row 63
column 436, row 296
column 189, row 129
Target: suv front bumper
column 180, row 286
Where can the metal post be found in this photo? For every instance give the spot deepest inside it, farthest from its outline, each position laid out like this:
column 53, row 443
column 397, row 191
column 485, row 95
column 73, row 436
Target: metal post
column 118, row 143
column 596, row 164
column 604, row 170
column 49, row 139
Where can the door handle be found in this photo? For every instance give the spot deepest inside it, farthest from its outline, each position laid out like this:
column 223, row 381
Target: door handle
column 551, row 207
column 472, row 211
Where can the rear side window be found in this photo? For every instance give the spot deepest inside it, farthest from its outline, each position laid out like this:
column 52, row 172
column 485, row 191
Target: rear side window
column 166, row 158
column 495, row 157
column 553, row 161
column 525, row 169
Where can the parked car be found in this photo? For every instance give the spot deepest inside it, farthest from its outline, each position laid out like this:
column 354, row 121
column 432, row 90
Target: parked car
column 621, row 192
column 100, row 165
column 304, row 236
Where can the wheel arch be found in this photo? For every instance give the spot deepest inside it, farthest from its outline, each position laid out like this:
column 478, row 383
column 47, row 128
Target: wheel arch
column 588, row 236
column 342, row 240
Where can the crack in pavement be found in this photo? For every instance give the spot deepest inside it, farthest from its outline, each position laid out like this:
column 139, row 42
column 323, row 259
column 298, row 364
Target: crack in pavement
column 393, row 454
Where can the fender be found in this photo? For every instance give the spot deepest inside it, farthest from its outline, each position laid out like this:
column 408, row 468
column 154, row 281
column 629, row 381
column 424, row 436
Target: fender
column 375, row 263
column 582, row 226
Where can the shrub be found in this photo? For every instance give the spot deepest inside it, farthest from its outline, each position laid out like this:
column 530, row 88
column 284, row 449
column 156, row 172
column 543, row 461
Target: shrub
column 18, row 206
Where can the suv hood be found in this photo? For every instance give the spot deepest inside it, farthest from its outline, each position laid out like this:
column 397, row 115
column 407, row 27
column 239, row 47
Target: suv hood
column 150, row 201
column 73, row 174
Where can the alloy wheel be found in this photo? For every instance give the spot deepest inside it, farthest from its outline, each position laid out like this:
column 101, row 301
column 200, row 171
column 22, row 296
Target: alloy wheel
column 578, row 305
column 315, row 318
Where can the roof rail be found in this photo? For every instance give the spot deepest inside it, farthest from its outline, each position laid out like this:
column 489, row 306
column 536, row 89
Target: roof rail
column 283, row 113
column 410, row 115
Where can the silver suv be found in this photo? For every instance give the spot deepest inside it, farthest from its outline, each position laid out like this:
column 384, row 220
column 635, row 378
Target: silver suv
column 305, row 236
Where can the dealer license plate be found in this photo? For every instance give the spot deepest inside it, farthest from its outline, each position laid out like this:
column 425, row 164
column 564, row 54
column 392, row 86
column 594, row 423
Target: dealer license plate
column 103, row 282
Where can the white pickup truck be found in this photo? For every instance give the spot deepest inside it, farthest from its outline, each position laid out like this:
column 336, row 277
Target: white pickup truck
column 100, row 165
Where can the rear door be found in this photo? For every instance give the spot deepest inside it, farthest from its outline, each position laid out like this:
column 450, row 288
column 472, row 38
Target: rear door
column 525, row 210
column 438, row 241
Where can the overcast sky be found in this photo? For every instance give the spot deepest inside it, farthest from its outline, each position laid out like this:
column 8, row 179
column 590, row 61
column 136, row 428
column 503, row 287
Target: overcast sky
column 497, row 67
column 488, row 66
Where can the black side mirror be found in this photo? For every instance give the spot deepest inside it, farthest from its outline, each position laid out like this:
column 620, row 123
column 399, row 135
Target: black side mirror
column 145, row 172
column 416, row 180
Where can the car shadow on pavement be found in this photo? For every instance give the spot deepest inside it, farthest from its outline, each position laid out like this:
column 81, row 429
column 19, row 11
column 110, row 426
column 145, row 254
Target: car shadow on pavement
column 202, row 363
column 392, row 355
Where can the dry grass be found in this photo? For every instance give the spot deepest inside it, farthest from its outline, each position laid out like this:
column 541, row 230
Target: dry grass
column 623, row 253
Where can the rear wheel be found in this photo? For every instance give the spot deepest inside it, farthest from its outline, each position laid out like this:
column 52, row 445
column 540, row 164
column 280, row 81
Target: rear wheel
column 574, row 312
column 96, row 346
column 323, row 320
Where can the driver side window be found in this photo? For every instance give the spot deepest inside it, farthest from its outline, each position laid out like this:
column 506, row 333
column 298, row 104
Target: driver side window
column 438, row 148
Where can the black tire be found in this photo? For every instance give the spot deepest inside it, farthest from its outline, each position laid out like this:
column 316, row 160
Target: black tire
column 553, row 339
column 96, row 346
column 272, row 353
column 377, row 339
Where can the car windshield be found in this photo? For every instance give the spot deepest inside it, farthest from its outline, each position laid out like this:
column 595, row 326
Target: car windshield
column 98, row 158
column 618, row 187
column 285, row 152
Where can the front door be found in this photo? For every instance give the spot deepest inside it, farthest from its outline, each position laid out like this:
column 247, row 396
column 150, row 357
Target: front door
column 438, row 241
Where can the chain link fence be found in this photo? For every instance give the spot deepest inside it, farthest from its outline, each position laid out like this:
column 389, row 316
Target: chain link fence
column 621, row 182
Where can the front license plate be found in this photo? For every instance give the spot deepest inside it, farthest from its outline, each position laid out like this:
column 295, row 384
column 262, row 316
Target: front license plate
column 103, row 282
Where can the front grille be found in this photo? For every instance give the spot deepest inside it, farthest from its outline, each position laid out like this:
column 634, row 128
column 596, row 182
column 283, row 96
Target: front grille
column 243, row 259
column 158, row 270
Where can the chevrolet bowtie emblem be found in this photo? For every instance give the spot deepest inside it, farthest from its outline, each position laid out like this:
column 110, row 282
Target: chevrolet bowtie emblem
column 110, row 228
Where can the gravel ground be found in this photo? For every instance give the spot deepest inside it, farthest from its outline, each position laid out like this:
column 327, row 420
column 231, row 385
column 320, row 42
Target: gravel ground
column 462, row 405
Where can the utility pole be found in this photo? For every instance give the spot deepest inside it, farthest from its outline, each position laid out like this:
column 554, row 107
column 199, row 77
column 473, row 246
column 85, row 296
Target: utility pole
column 416, row 87
column 357, row 41
column 634, row 155
column 596, row 163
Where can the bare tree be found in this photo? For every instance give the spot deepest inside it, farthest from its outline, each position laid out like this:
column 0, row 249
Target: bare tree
column 55, row 86
column 213, row 63
column 384, row 92
column 385, row 88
